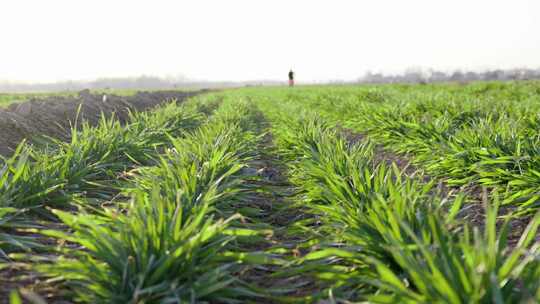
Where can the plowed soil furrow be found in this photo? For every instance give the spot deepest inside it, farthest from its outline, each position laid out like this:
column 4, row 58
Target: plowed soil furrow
column 274, row 197
column 54, row 116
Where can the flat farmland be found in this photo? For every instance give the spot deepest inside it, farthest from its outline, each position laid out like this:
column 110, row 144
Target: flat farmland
column 312, row 194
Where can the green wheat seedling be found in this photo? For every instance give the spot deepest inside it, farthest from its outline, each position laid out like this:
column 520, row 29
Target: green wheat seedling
column 384, row 234
column 171, row 244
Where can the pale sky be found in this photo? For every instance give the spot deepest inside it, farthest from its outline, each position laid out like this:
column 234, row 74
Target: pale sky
column 261, row 39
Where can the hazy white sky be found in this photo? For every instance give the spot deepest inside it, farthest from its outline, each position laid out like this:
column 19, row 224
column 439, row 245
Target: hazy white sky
column 261, row 39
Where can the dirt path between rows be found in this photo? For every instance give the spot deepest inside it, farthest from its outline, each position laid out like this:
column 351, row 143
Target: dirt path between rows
column 53, row 116
column 274, row 198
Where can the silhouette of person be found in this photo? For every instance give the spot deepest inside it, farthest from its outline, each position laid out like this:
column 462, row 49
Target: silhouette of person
column 291, row 78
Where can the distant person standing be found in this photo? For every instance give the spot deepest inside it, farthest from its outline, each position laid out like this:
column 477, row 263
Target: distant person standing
column 291, row 78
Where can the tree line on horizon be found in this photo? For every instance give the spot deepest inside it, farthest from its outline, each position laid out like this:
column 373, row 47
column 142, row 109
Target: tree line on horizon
column 151, row 82
column 430, row 75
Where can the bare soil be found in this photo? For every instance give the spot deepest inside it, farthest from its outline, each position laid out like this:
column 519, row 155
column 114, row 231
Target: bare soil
column 274, row 199
column 54, row 116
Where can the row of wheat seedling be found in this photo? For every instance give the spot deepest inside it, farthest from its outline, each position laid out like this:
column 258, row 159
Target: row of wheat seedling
column 486, row 145
column 83, row 172
column 488, row 139
column 482, row 134
column 381, row 236
column 174, row 238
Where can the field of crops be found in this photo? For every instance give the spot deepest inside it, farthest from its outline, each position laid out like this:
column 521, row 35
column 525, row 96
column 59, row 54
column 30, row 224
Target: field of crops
column 380, row 194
